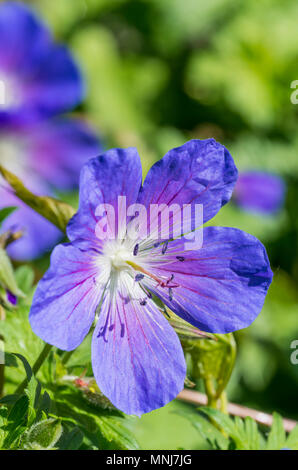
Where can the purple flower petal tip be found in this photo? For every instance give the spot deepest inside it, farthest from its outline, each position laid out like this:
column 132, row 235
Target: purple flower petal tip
column 260, row 192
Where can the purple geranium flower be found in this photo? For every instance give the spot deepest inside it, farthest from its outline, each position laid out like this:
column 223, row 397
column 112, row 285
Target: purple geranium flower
column 46, row 156
column 37, row 77
column 258, row 191
column 137, row 358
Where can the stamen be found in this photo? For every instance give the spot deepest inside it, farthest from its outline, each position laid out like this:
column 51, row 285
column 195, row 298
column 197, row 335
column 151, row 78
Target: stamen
column 165, row 247
column 143, row 302
column 180, row 258
column 136, row 249
column 139, row 277
column 149, row 295
column 170, row 294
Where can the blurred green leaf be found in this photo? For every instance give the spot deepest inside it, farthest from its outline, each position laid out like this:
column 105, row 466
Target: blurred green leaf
column 292, row 440
column 5, row 212
column 277, row 436
column 7, row 276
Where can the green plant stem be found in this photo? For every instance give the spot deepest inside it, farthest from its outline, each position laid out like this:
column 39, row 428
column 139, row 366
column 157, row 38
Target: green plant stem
column 224, row 403
column 66, row 356
column 210, row 392
column 36, row 366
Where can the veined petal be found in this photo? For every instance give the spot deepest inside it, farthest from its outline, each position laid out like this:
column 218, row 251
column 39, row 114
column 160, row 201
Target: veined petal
column 259, row 192
column 137, row 358
column 198, row 172
column 221, row 287
column 103, row 179
column 66, row 298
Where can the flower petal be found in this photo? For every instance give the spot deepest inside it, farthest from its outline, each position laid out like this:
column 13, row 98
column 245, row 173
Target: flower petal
column 259, row 192
column 198, row 172
column 222, row 286
column 66, row 298
column 115, row 173
column 23, row 38
column 39, row 76
column 137, row 358
column 58, row 150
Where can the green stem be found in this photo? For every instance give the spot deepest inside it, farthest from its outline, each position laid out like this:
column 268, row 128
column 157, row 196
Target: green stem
column 37, row 365
column 66, row 356
column 210, row 392
column 224, row 403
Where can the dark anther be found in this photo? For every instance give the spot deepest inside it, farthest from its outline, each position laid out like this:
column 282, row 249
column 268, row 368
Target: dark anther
column 139, row 277
column 143, row 302
column 111, row 327
column 149, row 295
column 122, row 331
column 170, row 294
column 156, row 244
column 180, row 258
column 165, row 247
column 136, row 249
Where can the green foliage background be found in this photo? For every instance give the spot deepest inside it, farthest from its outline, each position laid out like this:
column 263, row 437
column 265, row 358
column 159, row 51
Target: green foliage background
column 160, row 72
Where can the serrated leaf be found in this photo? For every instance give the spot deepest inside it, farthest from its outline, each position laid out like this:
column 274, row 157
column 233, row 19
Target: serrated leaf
column 277, row 436
column 292, row 440
column 234, row 429
column 207, row 430
column 52, row 209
